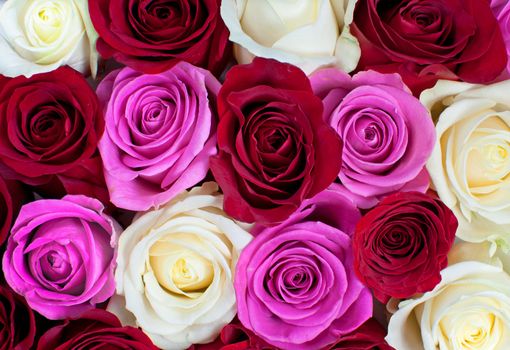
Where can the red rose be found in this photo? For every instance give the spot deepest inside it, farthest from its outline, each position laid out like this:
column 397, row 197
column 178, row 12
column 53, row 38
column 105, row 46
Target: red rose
column 275, row 149
column 12, row 195
column 17, row 321
column 95, row 329
column 401, row 245
column 369, row 336
column 152, row 35
column 235, row 337
column 49, row 128
column 427, row 40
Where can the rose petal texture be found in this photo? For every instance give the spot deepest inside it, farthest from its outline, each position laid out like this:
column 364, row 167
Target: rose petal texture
column 38, row 36
column 17, row 321
column 61, row 255
column 152, row 36
column 468, row 309
column 501, row 10
column 470, row 164
column 175, row 270
column 306, row 33
column 427, row 40
column 50, row 125
column 160, row 132
column 295, row 282
column 12, row 195
column 94, row 329
column 369, row 336
column 235, row 336
column 275, row 150
column 387, row 134
column 401, row 245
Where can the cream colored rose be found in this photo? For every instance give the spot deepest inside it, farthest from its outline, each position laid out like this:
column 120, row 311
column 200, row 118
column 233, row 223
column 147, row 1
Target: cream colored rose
column 306, row 33
column 468, row 310
column 175, row 270
column 470, row 164
column 39, row 36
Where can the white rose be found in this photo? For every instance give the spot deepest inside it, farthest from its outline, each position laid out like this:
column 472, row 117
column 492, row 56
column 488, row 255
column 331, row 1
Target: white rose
column 175, row 270
column 468, row 310
column 306, row 33
column 39, row 36
column 470, row 164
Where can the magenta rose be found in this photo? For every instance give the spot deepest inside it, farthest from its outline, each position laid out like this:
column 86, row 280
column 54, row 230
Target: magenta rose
column 94, row 329
column 61, row 255
column 295, row 282
column 388, row 135
column 275, row 150
column 427, row 40
column 501, row 9
column 153, row 35
column 160, row 133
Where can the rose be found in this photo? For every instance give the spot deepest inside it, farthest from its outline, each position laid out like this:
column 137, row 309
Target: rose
column 501, row 10
column 369, row 336
column 305, row 33
column 160, row 132
column 94, row 329
column 426, row 40
column 295, row 282
column 274, row 148
column 387, row 134
column 17, row 322
column 39, row 36
column 468, row 309
column 12, row 195
column 152, row 35
column 234, row 336
column 470, row 163
column 175, row 270
column 60, row 255
column 401, row 245
column 49, row 128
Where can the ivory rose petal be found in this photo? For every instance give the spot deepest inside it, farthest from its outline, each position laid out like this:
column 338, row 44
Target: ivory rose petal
column 176, row 269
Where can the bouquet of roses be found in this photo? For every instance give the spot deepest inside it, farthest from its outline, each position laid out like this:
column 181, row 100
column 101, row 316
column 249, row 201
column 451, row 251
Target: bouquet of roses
column 255, row 174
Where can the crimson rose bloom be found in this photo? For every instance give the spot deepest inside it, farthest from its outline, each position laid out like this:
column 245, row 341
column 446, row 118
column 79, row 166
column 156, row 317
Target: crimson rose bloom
column 12, row 195
column 235, row 336
column 95, row 329
column 153, row 35
column 17, row 321
column 275, row 149
column 49, row 128
column 401, row 245
column 427, row 40
column 369, row 336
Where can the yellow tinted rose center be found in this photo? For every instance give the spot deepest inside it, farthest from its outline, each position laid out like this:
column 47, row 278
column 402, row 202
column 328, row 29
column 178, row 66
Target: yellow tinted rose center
column 45, row 21
column 179, row 269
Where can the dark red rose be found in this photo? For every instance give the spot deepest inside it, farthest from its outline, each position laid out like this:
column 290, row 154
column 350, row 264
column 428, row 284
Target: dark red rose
column 369, row 336
column 427, row 40
column 152, row 35
column 235, row 337
column 401, row 245
column 17, row 321
column 275, row 150
column 95, row 329
column 12, row 195
column 49, row 128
